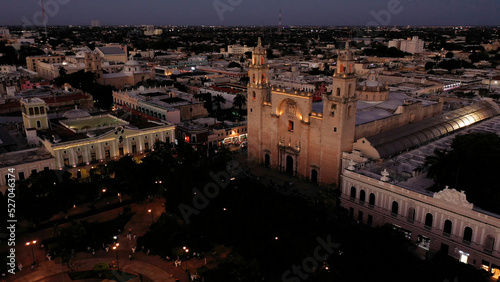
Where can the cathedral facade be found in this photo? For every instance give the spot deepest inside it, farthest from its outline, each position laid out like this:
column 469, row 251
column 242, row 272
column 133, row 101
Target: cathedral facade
column 290, row 132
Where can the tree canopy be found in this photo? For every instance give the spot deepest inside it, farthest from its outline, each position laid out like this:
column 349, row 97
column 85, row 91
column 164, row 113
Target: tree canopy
column 472, row 166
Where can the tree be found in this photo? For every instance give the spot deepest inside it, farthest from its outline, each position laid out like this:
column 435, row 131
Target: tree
column 62, row 72
column 239, row 101
column 233, row 65
column 429, row 66
column 472, row 166
column 218, row 100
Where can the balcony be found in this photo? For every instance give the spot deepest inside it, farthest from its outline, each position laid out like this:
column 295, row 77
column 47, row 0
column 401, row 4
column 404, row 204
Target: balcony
column 427, row 227
column 466, row 242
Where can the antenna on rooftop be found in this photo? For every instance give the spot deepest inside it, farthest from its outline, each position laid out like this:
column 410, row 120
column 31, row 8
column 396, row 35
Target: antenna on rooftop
column 280, row 27
column 45, row 23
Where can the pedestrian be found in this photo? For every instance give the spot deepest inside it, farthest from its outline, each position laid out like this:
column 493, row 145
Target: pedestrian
column 148, row 252
column 32, row 266
column 133, row 249
column 167, row 258
column 107, row 249
column 130, row 257
column 93, row 252
column 135, row 236
column 20, row 266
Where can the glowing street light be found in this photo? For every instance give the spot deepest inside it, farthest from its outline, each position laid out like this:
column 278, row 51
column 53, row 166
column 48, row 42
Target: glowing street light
column 152, row 219
column 32, row 250
column 115, row 247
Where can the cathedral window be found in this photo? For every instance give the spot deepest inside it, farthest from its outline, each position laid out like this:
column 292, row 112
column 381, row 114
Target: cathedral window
column 263, row 78
column 253, row 95
column 338, row 91
column 290, row 126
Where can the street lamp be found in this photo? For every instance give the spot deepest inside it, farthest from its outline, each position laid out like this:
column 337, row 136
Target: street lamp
column 152, row 219
column 32, row 250
column 187, row 257
column 115, row 247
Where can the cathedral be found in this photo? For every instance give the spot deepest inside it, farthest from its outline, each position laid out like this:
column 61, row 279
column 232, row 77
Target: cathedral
column 290, row 132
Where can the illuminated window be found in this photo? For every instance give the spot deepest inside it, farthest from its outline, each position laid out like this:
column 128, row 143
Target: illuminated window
column 290, row 125
column 253, row 93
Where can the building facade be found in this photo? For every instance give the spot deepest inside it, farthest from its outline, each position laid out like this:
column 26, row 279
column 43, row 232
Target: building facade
column 288, row 132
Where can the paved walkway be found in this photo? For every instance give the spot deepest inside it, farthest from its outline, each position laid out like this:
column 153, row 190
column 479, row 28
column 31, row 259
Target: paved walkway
column 153, row 268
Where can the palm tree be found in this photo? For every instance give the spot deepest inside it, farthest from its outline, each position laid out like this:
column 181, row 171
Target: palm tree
column 62, row 72
column 239, row 101
column 218, row 100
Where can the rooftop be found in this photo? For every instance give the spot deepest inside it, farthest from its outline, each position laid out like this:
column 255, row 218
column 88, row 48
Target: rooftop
column 111, row 50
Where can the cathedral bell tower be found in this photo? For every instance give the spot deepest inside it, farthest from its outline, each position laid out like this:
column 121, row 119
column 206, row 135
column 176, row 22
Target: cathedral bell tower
column 259, row 92
column 339, row 114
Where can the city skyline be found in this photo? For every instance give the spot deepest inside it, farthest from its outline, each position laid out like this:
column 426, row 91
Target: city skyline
column 247, row 13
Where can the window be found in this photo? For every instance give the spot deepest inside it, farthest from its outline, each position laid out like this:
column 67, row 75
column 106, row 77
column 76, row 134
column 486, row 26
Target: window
column 353, row 193
column 362, row 196
column 447, row 228
column 290, row 126
column 360, row 216
column 489, row 244
column 335, row 129
column 31, row 111
column 21, row 175
column 467, row 235
column 371, row 200
column 370, row 220
column 338, row 91
column 253, row 94
column 411, row 214
column 428, row 221
column 38, row 124
column 395, row 208
column 37, row 110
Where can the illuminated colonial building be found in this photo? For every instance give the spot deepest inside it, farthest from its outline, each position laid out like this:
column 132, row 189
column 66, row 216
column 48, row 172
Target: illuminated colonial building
column 80, row 139
column 288, row 130
column 384, row 182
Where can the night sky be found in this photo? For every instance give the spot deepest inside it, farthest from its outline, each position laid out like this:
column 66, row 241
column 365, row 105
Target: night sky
column 252, row 12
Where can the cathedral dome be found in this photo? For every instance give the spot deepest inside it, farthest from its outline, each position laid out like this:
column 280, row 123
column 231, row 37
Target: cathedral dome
column 76, row 113
column 132, row 63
